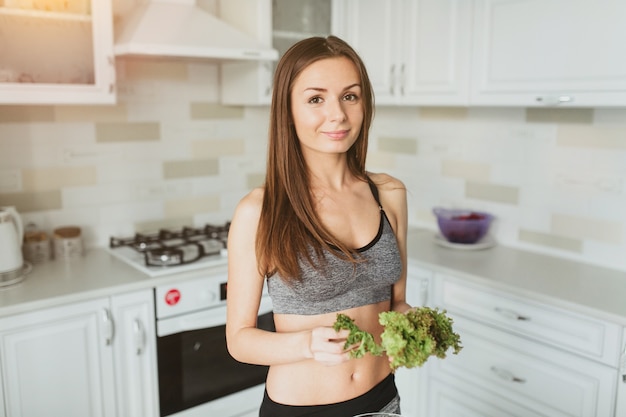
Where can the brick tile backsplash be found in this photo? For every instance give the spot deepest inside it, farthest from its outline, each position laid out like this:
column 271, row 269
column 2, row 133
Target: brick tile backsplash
column 169, row 154
column 127, row 132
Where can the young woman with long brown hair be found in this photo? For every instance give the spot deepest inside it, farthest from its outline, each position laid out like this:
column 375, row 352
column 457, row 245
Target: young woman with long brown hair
column 326, row 236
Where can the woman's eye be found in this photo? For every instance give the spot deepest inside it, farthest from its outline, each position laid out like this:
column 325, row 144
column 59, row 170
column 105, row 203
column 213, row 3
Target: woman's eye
column 350, row 97
column 315, row 100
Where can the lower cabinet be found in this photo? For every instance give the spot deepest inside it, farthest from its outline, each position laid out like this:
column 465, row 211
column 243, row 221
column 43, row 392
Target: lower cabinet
column 512, row 363
column 134, row 351
column 89, row 359
column 2, row 409
column 621, row 383
column 413, row 383
column 511, row 370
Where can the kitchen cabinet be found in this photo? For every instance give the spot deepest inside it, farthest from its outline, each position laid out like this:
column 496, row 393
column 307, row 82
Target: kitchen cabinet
column 549, row 52
column 621, row 385
column 412, row 383
column 84, row 359
column 527, row 357
column 135, row 354
column 2, row 409
column 279, row 23
column 416, row 51
column 59, row 361
column 56, row 52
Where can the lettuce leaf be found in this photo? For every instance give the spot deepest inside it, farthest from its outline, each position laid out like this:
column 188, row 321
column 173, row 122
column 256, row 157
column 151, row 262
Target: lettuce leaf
column 408, row 339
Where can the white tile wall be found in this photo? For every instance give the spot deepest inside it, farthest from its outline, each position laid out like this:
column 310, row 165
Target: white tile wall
column 569, row 176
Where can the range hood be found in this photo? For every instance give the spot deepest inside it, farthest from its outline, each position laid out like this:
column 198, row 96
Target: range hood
column 181, row 29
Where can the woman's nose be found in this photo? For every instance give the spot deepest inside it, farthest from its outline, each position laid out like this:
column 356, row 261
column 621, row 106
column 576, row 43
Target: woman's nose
column 336, row 111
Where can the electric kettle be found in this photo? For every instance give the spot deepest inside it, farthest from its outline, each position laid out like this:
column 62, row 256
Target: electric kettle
column 11, row 232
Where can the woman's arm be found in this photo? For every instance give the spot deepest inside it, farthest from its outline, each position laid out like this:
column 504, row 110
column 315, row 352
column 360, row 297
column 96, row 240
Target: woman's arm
column 245, row 341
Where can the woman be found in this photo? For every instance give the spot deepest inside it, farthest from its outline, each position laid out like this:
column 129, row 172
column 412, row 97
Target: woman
column 301, row 231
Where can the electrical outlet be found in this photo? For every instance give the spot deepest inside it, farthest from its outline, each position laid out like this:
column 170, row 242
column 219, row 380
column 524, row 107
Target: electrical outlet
column 10, row 181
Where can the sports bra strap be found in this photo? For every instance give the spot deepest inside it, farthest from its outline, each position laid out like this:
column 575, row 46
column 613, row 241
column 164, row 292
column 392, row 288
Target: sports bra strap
column 374, row 192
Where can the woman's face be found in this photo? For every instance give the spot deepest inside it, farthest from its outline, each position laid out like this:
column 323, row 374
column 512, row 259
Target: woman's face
column 326, row 106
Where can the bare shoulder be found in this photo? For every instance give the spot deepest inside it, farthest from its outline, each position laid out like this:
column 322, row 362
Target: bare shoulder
column 393, row 198
column 385, row 182
column 248, row 210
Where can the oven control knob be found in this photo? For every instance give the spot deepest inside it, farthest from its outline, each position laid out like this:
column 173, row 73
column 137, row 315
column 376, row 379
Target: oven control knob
column 207, row 297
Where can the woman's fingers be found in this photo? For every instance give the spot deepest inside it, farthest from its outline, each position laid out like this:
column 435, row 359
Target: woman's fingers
column 327, row 345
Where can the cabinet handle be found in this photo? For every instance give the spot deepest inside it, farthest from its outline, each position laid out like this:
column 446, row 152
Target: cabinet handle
column 623, row 364
column 507, row 375
column 554, row 101
column 140, row 336
column 402, row 80
column 392, row 79
column 510, row 314
column 108, row 326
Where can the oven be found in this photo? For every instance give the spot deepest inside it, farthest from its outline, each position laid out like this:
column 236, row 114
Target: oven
column 197, row 375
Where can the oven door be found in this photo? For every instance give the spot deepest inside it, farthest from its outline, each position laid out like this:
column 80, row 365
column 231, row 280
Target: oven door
column 195, row 367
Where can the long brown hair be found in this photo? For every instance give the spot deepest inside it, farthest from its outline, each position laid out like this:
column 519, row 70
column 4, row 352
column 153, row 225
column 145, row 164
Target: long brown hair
column 289, row 225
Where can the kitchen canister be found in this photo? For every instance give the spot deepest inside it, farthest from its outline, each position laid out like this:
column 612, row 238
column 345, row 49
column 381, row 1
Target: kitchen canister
column 67, row 242
column 37, row 247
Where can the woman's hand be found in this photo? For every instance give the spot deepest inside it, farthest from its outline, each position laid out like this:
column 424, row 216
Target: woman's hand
column 327, row 346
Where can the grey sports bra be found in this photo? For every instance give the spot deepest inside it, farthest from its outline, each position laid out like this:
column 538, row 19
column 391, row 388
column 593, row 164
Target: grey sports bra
column 340, row 284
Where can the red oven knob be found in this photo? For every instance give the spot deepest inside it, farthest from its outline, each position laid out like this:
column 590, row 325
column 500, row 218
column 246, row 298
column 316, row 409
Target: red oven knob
column 172, row 297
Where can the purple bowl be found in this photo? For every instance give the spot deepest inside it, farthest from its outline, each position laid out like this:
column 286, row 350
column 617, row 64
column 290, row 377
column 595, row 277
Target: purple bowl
column 462, row 226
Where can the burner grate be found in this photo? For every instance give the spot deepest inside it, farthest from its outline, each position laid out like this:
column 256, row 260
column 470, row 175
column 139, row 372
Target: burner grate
column 176, row 247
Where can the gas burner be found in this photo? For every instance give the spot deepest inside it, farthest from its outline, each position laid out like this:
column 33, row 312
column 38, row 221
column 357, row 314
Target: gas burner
column 167, row 248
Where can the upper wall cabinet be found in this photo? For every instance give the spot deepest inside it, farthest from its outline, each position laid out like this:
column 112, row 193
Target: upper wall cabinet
column 549, row 52
column 56, row 52
column 276, row 23
column 416, row 51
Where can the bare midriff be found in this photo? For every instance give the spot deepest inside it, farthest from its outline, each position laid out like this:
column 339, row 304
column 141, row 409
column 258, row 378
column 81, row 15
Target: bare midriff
column 309, row 382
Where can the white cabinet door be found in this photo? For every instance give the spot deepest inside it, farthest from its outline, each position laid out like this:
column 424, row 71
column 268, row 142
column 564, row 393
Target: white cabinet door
column 510, row 369
column 413, row 383
column 2, row 413
column 416, row 51
column 372, row 29
column 435, row 55
column 56, row 52
column 135, row 354
column 59, row 362
column 549, row 52
column 621, row 383
column 468, row 401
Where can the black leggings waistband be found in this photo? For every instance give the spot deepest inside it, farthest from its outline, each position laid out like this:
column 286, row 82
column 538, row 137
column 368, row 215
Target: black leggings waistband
column 373, row 400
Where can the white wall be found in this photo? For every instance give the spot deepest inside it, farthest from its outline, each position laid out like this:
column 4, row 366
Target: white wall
column 168, row 155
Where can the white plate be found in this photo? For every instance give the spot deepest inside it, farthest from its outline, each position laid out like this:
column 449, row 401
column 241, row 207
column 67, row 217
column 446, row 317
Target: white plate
column 485, row 243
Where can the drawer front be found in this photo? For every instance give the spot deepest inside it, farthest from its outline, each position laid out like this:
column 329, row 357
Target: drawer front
column 545, row 380
column 446, row 400
column 567, row 330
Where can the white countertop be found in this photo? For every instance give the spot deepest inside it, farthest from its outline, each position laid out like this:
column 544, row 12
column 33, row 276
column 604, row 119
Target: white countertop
column 588, row 289
column 96, row 274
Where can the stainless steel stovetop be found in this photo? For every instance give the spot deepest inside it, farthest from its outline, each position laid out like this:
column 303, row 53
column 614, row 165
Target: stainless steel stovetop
column 173, row 251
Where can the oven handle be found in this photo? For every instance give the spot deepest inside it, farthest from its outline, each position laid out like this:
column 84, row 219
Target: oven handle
column 202, row 319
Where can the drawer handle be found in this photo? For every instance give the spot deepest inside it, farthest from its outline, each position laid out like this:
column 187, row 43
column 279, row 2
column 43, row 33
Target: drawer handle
column 510, row 314
column 507, row 375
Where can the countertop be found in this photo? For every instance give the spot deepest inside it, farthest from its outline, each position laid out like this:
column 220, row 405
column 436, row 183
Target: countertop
column 588, row 289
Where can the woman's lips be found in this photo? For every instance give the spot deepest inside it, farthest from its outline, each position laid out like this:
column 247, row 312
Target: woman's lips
column 337, row 134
